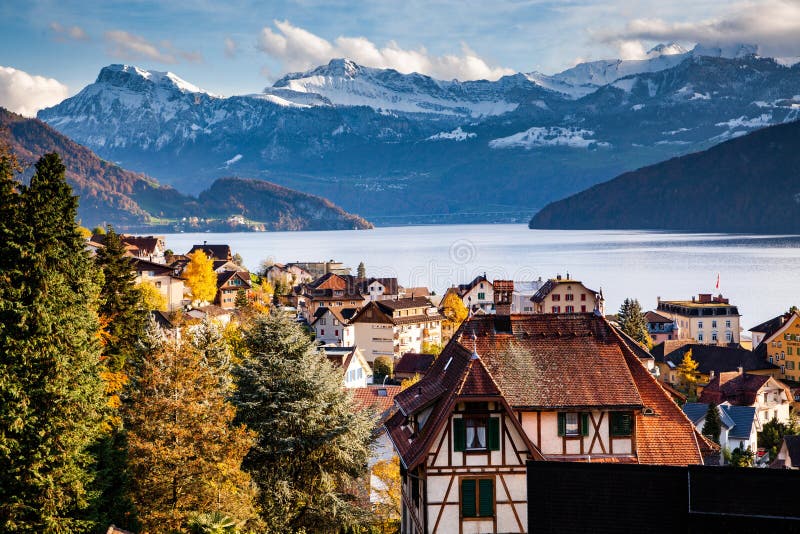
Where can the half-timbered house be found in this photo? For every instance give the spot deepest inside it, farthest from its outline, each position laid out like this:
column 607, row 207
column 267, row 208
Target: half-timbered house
column 549, row 387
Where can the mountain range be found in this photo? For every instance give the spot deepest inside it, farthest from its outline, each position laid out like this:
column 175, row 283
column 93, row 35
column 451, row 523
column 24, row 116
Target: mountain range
column 749, row 184
column 399, row 148
column 133, row 201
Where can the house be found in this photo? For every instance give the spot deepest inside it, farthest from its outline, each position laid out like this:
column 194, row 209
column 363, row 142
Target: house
column 767, row 328
column 412, row 364
column 410, row 292
column 393, row 327
column 332, row 326
column 565, row 295
column 710, row 359
column 150, row 248
column 357, row 372
column 660, row 327
column 739, row 426
column 379, row 288
column 477, row 295
column 548, row 387
column 220, row 266
column 770, row 397
column 288, row 275
column 788, row 454
column 211, row 312
column 330, row 291
column 320, row 268
column 215, row 252
column 523, row 292
column 780, row 344
column 706, row 319
column 163, row 277
column 229, row 283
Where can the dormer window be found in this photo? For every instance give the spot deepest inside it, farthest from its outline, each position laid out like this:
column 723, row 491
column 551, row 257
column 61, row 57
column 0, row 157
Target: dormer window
column 475, row 433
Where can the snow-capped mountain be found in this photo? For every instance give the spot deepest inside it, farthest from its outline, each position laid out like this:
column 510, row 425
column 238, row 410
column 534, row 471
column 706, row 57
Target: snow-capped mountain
column 387, row 144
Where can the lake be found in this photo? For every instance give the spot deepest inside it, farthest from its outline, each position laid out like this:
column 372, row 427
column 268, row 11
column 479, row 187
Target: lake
column 760, row 274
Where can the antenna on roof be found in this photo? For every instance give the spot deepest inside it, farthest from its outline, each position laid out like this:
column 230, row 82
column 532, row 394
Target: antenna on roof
column 474, row 346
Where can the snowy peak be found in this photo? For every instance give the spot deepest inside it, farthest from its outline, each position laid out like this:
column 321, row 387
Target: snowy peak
column 135, row 78
column 662, row 49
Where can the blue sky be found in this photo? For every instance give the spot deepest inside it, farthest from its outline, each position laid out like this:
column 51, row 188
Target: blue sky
column 239, row 46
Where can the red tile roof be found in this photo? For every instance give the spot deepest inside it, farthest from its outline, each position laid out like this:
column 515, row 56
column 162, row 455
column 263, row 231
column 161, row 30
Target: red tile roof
column 414, row 363
column 372, row 397
column 738, row 389
column 547, row 362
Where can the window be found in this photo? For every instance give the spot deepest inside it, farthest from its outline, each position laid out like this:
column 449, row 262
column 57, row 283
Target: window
column 699, row 336
column 573, row 424
column 789, row 351
column 556, row 298
column 583, row 296
column 556, row 309
column 621, row 424
column 728, row 323
column 336, row 333
column 699, row 324
column 477, row 497
column 713, row 324
column 481, row 296
column 322, row 321
column 476, row 434
column 714, row 336
column 322, row 332
column 583, row 308
column 570, row 309
column 729, row 336
column 569, row 296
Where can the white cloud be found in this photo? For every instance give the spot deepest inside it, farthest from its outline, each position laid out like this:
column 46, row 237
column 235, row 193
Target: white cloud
column 230, row 47
column 26, row 94
column 298, row 49
column 125, row 45
column 62, row 33
column 773, row 25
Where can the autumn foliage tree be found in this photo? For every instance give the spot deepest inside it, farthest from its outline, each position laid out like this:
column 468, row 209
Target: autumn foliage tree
column 185, row 451
column 387, row 489
column 200, row 277
column 689, row 375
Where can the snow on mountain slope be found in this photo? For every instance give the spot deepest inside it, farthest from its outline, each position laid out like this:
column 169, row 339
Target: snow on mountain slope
column 538, row 136
column 345, row 83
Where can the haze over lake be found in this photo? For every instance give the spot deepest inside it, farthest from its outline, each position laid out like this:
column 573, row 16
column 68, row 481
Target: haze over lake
column 760, row 274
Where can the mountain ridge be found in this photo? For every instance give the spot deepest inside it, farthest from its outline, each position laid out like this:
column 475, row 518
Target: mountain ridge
column 748, row 184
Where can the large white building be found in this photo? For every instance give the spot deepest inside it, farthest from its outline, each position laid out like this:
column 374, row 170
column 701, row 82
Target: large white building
column 705, row 319
column 393, row 327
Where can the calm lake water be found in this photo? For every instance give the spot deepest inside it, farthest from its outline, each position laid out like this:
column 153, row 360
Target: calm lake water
column 760, row 274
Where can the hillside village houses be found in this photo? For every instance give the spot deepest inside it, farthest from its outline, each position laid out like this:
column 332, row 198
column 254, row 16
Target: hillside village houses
column 162, row 277
column 739, row 426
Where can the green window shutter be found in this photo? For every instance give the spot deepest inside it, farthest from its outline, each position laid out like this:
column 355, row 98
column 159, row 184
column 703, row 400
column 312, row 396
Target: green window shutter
column 493, row 431
column 486, row 497
column 584, row 424
column 459, row 435
column 562, row 424
column 468, row 498
column 621, row 424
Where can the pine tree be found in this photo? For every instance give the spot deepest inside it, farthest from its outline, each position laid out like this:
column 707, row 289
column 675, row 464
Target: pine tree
column 200, row 277
column 311, row 444
column 632, row 321
column 713, row 425
column 124, row 318
column 185, row 453
column 51, row 397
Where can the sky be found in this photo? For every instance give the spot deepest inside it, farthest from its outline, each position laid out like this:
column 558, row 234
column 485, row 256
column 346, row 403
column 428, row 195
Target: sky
column 51, row 49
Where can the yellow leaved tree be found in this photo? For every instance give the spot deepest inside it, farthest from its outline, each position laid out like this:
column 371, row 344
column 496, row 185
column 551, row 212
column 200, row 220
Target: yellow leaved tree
column 153, row 298
column 689, row 375
column 386, row 490
column 200, row 277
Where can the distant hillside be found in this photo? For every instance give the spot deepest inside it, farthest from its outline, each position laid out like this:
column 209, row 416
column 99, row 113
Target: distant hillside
column 750, row 184
column 133, row 201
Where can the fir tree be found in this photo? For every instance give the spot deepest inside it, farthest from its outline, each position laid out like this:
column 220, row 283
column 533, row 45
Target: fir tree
column 713, row 425
column 311, row 444
column 51, row 397
column 124, row 318
column 631, row 320
column 185, row 454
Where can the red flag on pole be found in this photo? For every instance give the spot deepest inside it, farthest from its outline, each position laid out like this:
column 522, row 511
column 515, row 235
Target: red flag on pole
column 717, row 280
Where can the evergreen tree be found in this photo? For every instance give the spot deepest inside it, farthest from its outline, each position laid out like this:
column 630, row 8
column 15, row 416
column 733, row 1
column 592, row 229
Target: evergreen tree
column 631, row 320
column 241, row 300
column 361, row 272
column 51, row 397
column 185, row 453
column 311, row 444
column 124, row 318
column 713, row 425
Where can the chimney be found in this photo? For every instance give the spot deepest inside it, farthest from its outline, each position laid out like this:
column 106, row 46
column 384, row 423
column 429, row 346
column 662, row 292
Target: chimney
column 503, row 290
column 558, row 277
column 740, row 370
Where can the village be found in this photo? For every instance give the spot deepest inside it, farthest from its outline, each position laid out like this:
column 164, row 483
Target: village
column 471, row 384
